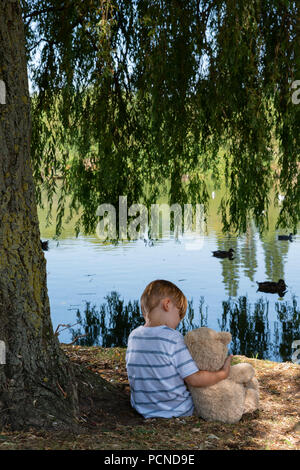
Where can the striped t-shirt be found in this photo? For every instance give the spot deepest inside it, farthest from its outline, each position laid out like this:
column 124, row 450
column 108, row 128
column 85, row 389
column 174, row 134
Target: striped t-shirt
column 157, row 361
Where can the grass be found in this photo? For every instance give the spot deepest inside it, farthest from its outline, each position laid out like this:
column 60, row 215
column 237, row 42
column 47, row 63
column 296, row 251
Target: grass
column 275, row 426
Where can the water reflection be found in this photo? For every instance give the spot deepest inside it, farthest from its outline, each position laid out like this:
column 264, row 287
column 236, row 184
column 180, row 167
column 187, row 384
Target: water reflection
column 110, row 326
column 275, row 255
column 287, row 328
column 249, row 327
column 248, row 253
column 248, row 323
column 84, row 268
column 230, row 267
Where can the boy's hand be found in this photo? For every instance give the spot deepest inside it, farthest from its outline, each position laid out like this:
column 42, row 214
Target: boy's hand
column 226, row 366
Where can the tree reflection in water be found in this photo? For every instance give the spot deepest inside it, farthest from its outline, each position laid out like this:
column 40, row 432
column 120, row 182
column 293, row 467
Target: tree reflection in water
column 252, row 336
column 111, row 325
column 250, row 329
column 287, row 329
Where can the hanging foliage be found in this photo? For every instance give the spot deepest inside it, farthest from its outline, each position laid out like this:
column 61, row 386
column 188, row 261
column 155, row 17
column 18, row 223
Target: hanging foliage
column 131, row 95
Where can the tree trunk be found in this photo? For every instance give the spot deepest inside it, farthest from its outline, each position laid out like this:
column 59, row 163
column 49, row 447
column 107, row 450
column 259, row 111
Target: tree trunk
column 37, row 384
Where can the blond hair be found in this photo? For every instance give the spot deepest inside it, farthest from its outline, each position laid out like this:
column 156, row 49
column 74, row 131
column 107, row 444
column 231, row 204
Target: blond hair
column 158, row 290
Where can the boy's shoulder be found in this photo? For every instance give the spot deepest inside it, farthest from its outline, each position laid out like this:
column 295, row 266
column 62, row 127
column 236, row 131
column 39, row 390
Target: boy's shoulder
column 175, row 334
column 136, row 330
column 157, row 332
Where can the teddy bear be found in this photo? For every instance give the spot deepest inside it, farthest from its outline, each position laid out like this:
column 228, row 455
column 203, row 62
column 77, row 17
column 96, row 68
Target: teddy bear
column 230, row 398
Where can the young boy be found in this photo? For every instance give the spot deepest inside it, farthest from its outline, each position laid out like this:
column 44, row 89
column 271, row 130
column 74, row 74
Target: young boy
column 159, row 365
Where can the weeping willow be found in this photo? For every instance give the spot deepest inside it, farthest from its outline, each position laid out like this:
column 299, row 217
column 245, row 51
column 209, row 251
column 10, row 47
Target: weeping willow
column 131, row 95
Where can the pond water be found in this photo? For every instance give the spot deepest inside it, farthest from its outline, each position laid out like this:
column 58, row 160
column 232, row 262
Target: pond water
column 96, row 285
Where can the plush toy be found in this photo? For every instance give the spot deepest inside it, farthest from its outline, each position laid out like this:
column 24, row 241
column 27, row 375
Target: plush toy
column 230, row 398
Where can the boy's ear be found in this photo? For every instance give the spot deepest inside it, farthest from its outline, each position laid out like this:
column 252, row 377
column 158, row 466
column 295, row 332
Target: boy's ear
column 166, row 303
column 143, row 312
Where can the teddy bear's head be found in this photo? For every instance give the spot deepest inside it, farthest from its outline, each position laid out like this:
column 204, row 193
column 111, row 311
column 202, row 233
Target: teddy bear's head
column 208, row 347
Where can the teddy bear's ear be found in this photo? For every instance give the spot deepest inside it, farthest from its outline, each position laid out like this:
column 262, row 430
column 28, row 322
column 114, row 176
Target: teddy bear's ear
column 225, row 337
column 190, row 337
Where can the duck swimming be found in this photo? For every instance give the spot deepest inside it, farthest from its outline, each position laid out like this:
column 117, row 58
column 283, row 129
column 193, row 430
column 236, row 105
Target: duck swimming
column 44, row 245
column 286, row 237
column 223, row 254
column 272, row 287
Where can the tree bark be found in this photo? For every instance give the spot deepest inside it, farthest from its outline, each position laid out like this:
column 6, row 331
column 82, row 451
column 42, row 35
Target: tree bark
column 37, row 384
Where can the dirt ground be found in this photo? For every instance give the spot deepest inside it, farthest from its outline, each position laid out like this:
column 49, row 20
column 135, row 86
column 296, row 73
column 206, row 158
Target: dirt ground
column 115, row 426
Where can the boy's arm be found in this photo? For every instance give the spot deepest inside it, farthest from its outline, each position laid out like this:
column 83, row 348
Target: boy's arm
column 205, row 378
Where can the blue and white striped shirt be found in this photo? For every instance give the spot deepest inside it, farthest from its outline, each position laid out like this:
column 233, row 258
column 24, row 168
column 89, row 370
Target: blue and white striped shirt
column 157, row 361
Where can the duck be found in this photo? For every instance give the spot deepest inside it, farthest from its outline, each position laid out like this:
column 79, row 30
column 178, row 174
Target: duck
column 272, row 287
column 148, row 242
column 44, row 245
column 286, row 237
column 223, row 254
